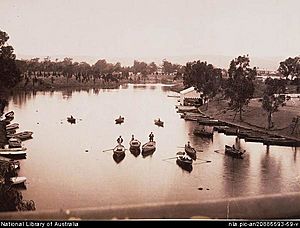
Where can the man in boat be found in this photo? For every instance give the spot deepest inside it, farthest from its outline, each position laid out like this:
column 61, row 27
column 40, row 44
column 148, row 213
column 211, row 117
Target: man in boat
column 188, row 144
column 120, row 140
column 151, row 137
column 132, row 137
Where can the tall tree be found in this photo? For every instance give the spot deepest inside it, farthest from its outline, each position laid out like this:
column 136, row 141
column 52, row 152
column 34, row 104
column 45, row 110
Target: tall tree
column 9, row 73
column 204, row 77
column 286, row 67
column 239, row 87
column 290, row 69
column 271, row 98
column 152, row 67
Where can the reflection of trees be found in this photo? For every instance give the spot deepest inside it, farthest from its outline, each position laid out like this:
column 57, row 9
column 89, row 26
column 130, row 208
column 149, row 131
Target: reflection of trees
column 166, row 88
column 66, row 93
column 96, row 91
column 20, row 98
column 270, row 174
column 10, row 198
column 236, row 176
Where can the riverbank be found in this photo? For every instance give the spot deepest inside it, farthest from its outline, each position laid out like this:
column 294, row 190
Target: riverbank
column 58, row 83
column 255, row 117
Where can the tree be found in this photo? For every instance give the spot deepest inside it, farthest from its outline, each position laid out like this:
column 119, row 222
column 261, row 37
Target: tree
column 239, row 87
column 271, row 98
column 9, row 73
column 140, row 67
column 204, row 77
column 290, row 69
column 152, row 67
column 286, row 68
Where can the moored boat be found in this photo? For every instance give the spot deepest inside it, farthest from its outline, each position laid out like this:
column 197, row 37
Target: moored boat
column 17, row 180
column 14, row 142
column 231, row 151
column 22, row 135
column 13, row 153
column 148, row 148
column 9, row 114
column 203, row 133
column 12, row 126
column 7, row 149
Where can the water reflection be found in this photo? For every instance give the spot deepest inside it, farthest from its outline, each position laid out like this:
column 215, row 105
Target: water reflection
column 57, row 144
column 135, row 152
column 11, row 199
column 67, row 94
column 270, row 173
column 147, row 153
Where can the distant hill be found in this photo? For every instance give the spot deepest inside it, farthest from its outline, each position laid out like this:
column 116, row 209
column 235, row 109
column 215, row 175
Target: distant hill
column 269, row 63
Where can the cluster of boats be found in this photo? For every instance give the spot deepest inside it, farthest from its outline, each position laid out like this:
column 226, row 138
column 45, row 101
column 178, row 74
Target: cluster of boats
column 11, row 168
column 14, row 146
column 135, row 147
column 11, row 151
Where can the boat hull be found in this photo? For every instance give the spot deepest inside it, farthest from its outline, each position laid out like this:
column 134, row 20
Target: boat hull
column 191, row 152
column 148, row 148
column 233, row 153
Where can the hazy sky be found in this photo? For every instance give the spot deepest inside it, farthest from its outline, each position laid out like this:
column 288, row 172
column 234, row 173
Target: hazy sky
column 152, row 28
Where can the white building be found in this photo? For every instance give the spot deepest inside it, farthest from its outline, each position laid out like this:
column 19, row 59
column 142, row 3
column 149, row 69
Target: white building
column 189, row 94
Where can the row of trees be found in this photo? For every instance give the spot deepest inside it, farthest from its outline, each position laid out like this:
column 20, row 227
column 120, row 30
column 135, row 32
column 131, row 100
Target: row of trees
column 12, row 69
column 67, row 67
column 238, row 85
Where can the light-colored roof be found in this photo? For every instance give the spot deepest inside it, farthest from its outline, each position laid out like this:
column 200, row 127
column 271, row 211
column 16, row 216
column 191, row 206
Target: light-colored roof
column 187, row 90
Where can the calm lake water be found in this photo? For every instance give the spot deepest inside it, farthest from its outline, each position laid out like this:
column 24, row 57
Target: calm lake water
column 67, row 168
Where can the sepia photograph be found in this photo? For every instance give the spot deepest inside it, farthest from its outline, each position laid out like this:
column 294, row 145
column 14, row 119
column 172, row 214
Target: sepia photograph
column 114, row 110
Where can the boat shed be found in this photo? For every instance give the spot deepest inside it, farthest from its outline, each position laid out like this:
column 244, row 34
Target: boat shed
column 189, row 95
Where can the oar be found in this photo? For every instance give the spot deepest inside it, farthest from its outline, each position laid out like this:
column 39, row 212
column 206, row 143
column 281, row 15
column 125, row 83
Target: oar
column 203, row 160
column 195, row 149
column 218, row 151
column 107, row 150
column 199, row 163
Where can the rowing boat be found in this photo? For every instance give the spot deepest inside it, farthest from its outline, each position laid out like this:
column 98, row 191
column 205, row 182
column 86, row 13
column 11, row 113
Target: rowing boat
column 190, row 151
column 148, row 148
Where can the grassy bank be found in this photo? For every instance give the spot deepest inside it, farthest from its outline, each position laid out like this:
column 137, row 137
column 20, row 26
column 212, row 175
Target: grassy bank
column 255, row 117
